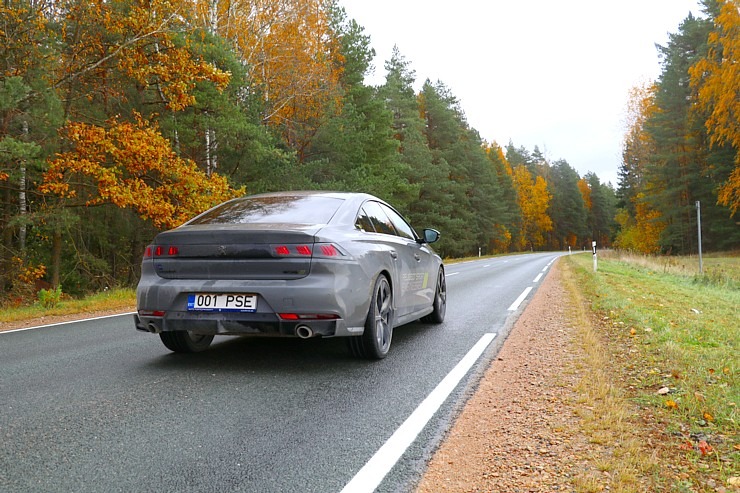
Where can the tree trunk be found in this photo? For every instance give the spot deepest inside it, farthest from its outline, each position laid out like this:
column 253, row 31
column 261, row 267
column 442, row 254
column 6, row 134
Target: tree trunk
column 22, row 204
column 56, row 256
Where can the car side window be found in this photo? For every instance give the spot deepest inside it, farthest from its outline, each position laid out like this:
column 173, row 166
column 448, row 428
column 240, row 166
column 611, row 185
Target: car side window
column 364, row 223
column 402, row 227
column 379, row 218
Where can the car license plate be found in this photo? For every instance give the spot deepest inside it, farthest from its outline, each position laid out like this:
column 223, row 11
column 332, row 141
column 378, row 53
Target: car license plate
column 222, row 302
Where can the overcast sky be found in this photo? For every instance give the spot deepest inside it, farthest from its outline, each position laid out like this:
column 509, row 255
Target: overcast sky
column 548, row 73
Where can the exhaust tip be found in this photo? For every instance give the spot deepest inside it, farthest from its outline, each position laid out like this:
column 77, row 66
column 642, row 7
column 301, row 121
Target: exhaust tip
column 303, row 331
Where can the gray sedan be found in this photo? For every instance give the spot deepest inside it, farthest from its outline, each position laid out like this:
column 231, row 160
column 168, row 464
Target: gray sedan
column 291, row 264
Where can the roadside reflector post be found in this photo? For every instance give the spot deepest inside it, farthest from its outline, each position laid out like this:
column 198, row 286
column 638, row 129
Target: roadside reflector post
column 698, row 227
column 593, row 246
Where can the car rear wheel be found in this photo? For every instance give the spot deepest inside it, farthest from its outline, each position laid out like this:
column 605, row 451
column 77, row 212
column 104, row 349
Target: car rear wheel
column 185, row 342
column 375, row 342
column 440, row 301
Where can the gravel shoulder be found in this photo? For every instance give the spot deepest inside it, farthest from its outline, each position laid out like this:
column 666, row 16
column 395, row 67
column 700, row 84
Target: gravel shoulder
column 517, row 433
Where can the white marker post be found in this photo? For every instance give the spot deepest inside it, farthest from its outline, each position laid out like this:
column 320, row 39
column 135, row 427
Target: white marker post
column 698, row 229
column 596, row 266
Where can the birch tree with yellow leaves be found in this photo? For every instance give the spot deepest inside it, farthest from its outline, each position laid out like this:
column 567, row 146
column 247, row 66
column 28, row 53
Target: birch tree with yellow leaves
column 533, row 199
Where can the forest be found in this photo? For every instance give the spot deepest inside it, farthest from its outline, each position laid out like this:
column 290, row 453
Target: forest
column 121, row 118
column 682, row 145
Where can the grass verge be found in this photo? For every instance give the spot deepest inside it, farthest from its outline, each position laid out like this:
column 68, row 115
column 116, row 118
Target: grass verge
column 668, row 346
column 618, row 460
column 113, row 299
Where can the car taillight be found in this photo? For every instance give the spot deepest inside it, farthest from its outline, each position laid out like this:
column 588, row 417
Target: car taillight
column 328, row 250
column 317, row 250
column 282, row 250
column 292, row 250
column 303, row 250
column 151, row 313
column 308, row 316
column 161, row 251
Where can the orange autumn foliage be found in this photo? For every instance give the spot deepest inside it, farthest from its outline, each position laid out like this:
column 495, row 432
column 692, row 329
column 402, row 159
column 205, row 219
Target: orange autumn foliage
column 291, row 54
column 641, row 233
column 24, row 27
column 534, row 199
column 132, row 165
column 717, row 78
column 138, row 40
column 585, row 190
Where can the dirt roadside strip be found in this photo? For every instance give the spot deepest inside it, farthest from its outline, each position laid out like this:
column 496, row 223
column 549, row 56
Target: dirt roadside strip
column 519, row 431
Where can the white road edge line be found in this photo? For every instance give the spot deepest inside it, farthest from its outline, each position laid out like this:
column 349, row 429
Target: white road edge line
column 519, row 300
column 372, row 473
column 537, row 279
column 65, row 323
column 451, row 274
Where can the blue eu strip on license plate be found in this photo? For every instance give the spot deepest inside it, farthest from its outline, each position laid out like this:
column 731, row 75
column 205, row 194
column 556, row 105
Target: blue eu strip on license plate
column 222, row 302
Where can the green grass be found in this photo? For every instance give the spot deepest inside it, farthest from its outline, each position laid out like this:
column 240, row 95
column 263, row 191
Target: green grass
column 678, row 331
column 113, row 299
column 717, row 269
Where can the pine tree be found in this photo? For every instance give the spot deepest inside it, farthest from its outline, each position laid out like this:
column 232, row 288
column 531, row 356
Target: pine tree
column 356, row 150
column 567, row 209
column 508, row 221
column 685, row 168
column 674, row 171
column 601, row 222
column 448, row 195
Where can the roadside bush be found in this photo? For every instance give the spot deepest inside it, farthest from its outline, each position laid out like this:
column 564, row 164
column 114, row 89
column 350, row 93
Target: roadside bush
column 20, row 282
column 50, row 298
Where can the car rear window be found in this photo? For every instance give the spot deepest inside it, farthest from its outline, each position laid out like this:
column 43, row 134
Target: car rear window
column 286, row 209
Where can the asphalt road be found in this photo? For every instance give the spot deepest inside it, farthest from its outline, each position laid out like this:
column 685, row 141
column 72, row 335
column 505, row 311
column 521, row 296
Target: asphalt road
column 97, row 406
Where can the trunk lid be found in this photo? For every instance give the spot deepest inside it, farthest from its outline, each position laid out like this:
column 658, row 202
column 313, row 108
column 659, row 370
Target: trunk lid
column 235, row 252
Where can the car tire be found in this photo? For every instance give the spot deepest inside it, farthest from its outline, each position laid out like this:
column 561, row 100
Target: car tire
column 440, row 301
column 182, row 341
column 375, row 342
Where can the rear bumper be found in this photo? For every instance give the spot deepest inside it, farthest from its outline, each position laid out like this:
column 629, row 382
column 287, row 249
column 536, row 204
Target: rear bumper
column 255, row 324
column 333, row 289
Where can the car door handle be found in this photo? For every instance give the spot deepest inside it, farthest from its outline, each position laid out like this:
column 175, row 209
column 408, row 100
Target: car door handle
column 394, row 254
column 417, row 257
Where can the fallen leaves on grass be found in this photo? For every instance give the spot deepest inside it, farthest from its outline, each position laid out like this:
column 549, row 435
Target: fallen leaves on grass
column 704, row 447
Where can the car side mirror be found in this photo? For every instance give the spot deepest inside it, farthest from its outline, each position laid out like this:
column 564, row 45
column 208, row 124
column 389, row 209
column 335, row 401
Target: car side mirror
column 430, row 235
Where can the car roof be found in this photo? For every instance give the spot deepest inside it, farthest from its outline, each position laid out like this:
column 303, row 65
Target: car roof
column 325, row 193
